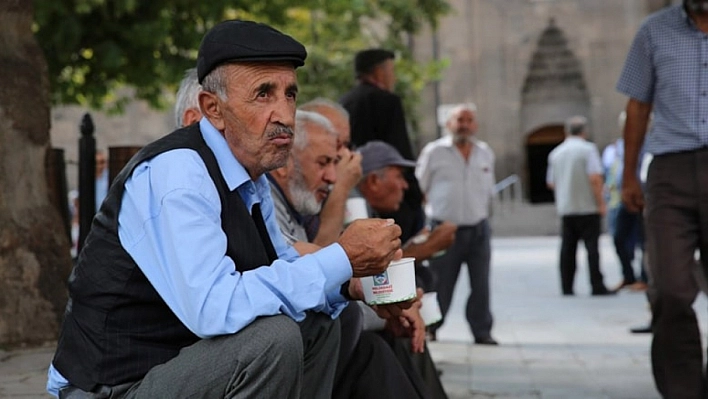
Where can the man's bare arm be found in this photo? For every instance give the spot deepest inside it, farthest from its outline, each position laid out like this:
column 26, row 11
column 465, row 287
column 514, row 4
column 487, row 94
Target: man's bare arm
column 635, row 130
column 596, row 182
column 332, row 214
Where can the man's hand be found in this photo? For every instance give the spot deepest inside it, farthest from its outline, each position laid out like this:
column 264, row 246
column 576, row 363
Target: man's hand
column 442, row 236
column 409, row 324
column 348, row 169
column 371, row 244
column 424, row 245
column 632, row 196
column 392, row 310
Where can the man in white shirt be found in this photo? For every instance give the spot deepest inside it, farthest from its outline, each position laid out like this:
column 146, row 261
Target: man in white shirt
column 575, row 174
column 456, row 174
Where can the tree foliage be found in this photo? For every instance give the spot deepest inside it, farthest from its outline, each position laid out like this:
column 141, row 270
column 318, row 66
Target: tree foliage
column 95, row 47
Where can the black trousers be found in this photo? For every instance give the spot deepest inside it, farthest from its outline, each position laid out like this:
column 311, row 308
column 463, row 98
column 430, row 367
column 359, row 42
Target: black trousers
column 676, row 217
column 575, row 228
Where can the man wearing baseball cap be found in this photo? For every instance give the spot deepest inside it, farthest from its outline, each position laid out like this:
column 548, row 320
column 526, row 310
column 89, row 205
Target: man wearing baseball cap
column 185, row 286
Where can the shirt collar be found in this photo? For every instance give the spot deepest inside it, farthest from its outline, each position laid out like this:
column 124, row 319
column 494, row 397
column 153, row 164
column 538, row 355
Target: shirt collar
column 687, row 18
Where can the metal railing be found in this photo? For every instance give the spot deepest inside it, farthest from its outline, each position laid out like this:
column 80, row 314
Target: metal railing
column 509, row 190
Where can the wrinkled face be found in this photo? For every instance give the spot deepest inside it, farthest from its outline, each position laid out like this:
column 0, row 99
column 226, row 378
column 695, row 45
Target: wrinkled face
column 462, row 124
column 391, row 187
column 258, row 116
column 312, row 172
column 696, row 6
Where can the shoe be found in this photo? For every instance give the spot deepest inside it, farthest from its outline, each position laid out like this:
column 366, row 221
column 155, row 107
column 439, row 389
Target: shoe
column 643, row 329
column 623, row 284
column 603, row 292
column 486, row 341
column 638, row 286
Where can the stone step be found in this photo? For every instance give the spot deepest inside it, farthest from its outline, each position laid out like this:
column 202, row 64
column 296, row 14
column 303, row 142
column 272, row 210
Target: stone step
column 514, row 218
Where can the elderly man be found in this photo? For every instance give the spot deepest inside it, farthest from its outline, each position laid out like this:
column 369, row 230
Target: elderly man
column 575, row 174
column 325, row 227
column 666, row 72
column 383, row 186
column 185, row 286
column 456, row 174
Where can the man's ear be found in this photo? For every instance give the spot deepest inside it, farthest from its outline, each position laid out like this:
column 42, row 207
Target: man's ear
column 372, row 181
column 190, row 116
column 211, row 106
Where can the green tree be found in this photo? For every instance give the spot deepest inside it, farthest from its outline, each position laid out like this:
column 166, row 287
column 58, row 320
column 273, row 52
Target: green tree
column 95, row 47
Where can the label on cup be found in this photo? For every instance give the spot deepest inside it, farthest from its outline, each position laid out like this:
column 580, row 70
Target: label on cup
column 395, row 284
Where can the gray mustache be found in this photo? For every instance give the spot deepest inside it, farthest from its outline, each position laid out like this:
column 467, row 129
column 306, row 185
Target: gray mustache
column 280, row 130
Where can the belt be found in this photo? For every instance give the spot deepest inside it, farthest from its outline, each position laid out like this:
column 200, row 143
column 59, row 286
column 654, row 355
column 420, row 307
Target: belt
column 436, row 222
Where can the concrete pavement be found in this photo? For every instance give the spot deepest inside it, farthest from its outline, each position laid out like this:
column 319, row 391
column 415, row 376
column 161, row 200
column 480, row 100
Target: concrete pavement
column 552, row 347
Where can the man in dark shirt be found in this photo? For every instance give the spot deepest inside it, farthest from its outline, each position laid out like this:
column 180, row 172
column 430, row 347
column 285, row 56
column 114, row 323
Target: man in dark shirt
column 376, row 113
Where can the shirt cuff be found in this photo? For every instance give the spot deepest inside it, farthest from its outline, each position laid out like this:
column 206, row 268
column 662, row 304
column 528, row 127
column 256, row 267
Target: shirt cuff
column 336, row 269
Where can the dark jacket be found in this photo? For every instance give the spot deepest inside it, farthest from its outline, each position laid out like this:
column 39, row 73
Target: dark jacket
column 376, row 114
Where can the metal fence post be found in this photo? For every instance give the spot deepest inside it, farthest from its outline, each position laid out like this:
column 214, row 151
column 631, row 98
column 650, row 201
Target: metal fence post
column 87, row 178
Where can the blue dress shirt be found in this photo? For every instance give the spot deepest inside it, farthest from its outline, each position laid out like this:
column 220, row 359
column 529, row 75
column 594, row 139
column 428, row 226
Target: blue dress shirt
column 170, row 224
column 667, row 66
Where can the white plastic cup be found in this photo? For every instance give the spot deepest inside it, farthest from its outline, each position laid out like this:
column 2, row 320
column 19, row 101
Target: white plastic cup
column 430, row 308
column 355, row 208
column 395, row 284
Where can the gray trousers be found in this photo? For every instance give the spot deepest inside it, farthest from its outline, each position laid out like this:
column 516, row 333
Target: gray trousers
column 676, row 227
column 471, row 246
column 274, row 357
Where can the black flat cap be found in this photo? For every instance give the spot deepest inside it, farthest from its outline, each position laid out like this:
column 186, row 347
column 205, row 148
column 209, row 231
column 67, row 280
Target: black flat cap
column 246, row 41
column 365, row 61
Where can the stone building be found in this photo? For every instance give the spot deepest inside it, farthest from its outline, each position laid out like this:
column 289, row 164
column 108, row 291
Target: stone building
column 528, row 65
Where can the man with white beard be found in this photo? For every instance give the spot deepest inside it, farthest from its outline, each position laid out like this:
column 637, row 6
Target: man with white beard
column 300, row 187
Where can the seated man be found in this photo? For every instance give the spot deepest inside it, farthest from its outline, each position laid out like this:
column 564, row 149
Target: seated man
column 185, row 287
column 324, row 228
column 383, row 186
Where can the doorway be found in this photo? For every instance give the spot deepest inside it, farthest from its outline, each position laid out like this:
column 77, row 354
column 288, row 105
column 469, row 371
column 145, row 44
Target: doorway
column 539, row 144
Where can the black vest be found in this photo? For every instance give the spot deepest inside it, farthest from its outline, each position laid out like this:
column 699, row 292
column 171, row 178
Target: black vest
column 116, row 326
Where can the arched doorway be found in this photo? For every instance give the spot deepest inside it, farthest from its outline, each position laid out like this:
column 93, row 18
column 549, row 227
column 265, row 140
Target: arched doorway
column 539, row 144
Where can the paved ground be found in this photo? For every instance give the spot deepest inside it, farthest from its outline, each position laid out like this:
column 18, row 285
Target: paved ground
column 553, row 347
